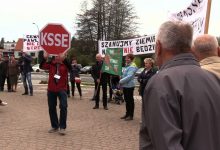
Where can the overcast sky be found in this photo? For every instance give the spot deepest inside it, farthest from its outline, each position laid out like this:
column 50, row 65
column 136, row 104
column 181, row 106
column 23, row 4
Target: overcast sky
column 17, row 16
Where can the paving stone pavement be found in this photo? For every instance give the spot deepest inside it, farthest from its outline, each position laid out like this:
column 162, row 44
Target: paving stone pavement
column 25, row 122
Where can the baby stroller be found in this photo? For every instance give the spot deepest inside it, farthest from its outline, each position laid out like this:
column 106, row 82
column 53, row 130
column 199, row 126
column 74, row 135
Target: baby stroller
column 118, row 96
column 117, row 93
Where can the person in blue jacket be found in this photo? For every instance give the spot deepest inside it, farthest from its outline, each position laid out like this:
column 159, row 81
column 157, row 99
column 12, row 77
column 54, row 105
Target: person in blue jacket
column 128, row 84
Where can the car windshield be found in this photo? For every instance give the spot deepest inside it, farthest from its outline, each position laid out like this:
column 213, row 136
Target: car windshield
column 87, row 67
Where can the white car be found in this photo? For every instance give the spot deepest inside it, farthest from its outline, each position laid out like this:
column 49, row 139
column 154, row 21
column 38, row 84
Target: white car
column 138, row 72
column 36, row 68
column 86, row 69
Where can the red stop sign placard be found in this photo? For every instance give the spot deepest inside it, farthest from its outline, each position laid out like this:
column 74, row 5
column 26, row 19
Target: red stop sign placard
column 54, row 38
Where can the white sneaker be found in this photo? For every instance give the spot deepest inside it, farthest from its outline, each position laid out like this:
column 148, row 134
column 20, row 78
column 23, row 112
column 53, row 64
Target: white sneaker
column 3, row 103
column 62, row 132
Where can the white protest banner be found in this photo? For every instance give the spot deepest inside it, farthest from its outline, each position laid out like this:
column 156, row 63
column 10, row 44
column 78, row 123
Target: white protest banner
column 137, row 46
column 195, row 14
column 31, row 43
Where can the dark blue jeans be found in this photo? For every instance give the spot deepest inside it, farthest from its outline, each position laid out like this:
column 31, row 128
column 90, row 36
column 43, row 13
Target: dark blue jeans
column 52, row 103
column 26, row 77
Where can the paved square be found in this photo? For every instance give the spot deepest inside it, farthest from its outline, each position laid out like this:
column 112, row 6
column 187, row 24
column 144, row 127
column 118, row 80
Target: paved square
column 25, row 121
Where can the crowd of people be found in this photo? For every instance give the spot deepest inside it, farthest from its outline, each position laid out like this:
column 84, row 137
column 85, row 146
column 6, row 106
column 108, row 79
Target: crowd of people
column 180, row 100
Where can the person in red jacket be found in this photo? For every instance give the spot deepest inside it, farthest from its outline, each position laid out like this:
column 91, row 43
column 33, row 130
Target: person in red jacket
column 58, row 69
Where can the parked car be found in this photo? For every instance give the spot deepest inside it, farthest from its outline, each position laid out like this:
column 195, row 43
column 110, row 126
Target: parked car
column 138, row 72
column 36, row 68
column 86, row 70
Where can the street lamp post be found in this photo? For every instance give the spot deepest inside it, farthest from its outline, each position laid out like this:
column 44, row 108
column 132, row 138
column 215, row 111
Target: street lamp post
column 39, row 52
column 37, row 27
column 40, row 56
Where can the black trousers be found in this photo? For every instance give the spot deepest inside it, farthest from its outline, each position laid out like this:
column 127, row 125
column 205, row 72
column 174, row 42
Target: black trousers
column 78, row 87
column 2, row 83
column 104, row 93
column 129, row 100
column 110, row 88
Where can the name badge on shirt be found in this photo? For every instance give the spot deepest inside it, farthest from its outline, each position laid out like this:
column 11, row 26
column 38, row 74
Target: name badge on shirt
column 56, row 76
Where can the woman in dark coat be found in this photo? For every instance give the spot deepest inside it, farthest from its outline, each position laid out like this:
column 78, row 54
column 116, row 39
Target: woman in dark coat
column 13, row 73
column 146, row 74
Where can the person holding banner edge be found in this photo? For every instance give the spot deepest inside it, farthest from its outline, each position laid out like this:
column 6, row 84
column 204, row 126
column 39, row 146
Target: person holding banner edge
column 207, row 51
column 100, row 79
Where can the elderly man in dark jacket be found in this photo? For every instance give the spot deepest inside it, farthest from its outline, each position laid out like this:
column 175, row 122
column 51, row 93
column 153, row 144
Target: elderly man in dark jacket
column 100, row 79
column 1, row 73
column 181, row 102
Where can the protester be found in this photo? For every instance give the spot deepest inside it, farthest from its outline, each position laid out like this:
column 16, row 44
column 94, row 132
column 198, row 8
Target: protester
column 145, row 75
column 1, row 74
column 75, row 78
column 4, row 74
column 100, row 79
column 128, row 84
column 13, row 72
column 180, row 109
column 26, row 69
column 57, row 87
column 207, row 51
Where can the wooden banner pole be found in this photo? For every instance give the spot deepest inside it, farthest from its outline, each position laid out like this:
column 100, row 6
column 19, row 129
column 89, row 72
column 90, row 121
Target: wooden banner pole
column 207, row 16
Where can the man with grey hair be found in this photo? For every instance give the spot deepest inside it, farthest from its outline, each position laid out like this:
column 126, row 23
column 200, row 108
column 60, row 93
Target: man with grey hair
column 180, row 108
column 206, row 50
column 100, row 79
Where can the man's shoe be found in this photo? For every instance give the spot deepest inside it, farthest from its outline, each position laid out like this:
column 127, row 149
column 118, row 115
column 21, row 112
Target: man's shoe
column 62, row 132
column 105, row 107
column 96, row 107
column 31, row 94
column 25, row 94
column 92, row 99
column 124, row 117
column 129, row 118
column 52, row 130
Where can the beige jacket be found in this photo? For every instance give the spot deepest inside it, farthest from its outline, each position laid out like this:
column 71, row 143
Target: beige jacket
column 211, row 64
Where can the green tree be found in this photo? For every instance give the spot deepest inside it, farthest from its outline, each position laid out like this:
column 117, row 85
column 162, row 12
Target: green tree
column 106, row 20
column 81, row 51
